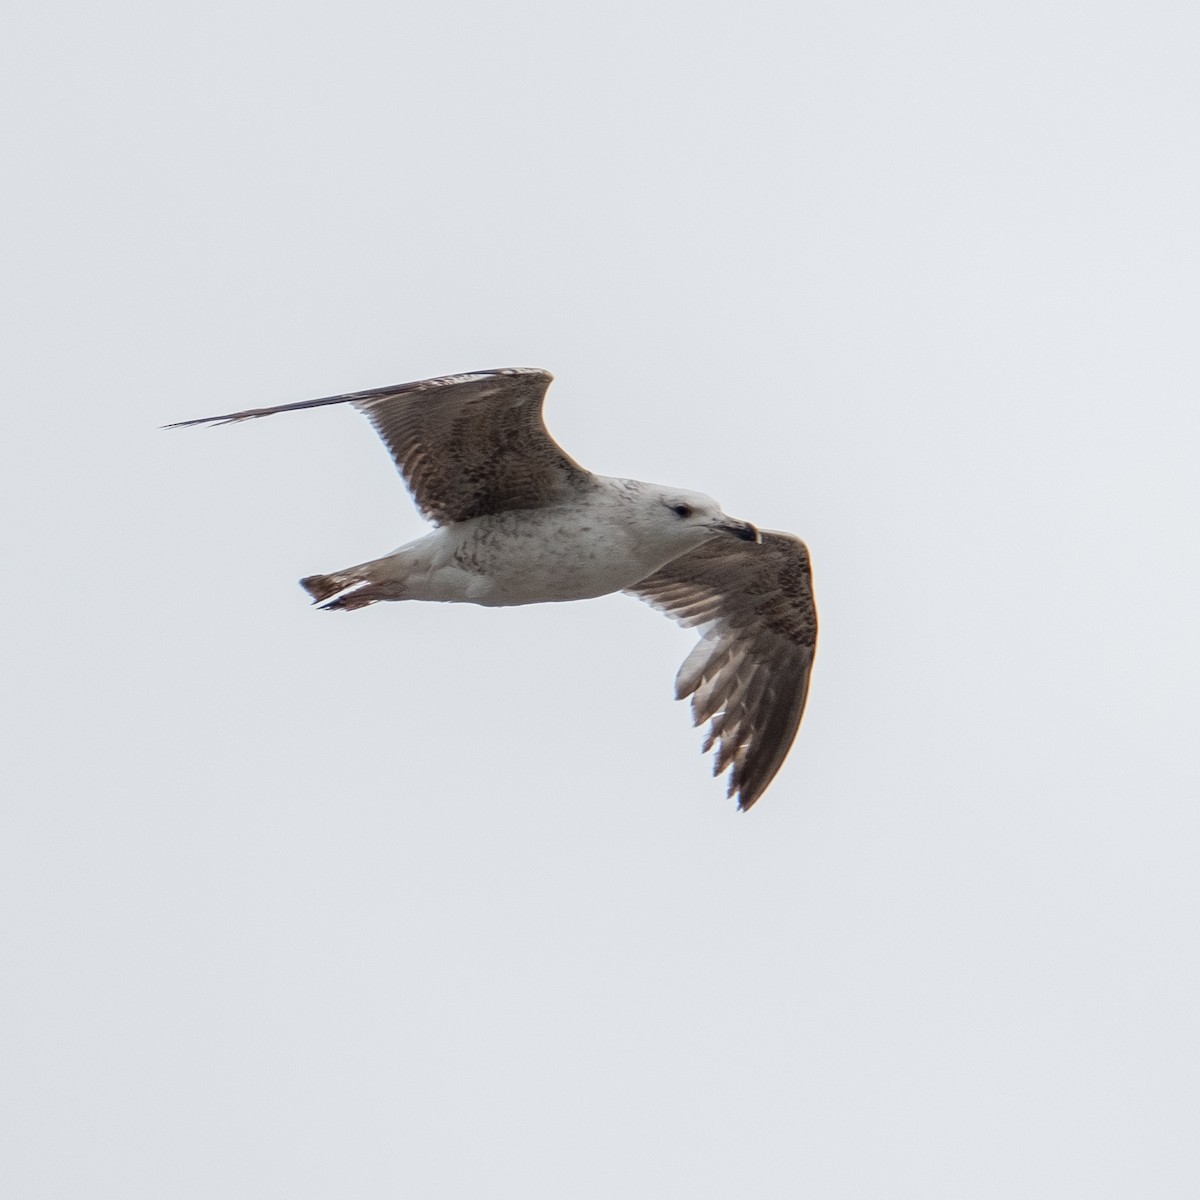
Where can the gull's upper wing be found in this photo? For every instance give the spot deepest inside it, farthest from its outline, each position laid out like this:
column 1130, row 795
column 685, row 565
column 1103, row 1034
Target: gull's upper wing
column 749, row 672
column 466, row 445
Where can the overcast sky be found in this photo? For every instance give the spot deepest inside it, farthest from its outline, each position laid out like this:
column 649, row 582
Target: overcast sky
column 438, row 901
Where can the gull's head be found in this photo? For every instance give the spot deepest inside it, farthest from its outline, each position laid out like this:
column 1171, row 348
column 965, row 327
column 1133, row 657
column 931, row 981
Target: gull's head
column 700, row 516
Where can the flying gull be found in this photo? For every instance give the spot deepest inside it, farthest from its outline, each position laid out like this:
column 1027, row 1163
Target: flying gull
column 520, row 522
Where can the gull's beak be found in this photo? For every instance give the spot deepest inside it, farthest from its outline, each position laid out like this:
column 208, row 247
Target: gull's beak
column 740, row 529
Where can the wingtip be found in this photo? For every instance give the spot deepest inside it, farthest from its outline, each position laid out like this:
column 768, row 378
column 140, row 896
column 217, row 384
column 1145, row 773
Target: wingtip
column 212, row 421
column 747, row 795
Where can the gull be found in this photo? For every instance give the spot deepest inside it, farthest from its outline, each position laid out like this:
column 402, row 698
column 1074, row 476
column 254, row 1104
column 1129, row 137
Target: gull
column 518, row 521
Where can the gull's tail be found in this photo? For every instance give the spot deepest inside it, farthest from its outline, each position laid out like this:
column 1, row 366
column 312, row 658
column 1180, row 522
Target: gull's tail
column 321, row 587
column 345, row 591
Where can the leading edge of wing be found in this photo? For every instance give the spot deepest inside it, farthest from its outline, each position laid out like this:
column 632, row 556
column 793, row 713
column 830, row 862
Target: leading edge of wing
column 414, row 387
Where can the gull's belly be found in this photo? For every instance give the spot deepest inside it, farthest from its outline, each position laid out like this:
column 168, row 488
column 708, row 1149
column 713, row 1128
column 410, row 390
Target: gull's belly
column 550, row 555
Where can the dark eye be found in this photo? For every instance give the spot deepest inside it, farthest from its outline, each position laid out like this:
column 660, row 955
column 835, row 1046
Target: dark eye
column 681, row 510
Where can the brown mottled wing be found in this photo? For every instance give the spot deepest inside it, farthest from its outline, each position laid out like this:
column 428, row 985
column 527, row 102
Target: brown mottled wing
column 749, row 672
column 466, row 445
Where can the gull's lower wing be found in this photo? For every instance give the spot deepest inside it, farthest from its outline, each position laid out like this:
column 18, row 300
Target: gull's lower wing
column 466, row 445
column 750, row 671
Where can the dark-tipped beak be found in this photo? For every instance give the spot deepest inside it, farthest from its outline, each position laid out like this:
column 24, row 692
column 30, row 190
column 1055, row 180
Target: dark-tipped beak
column 743, row 530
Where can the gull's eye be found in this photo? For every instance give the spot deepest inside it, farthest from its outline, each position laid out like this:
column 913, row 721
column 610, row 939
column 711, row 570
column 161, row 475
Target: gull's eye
column 681, row 510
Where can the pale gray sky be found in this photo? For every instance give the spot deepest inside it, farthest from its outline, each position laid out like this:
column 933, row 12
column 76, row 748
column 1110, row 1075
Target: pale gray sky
column 440, row 901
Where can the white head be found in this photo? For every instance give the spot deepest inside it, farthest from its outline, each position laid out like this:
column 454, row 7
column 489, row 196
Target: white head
column 692, row 517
